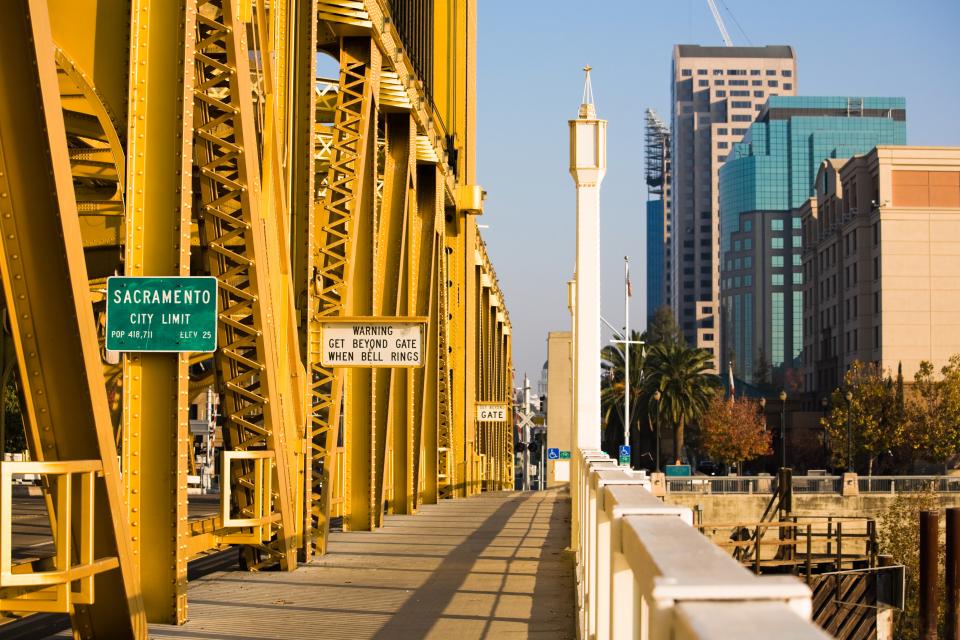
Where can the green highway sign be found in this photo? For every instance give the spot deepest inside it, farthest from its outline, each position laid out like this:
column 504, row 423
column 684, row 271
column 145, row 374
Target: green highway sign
column 678, row 470
column 164, row 314
column 564, row 455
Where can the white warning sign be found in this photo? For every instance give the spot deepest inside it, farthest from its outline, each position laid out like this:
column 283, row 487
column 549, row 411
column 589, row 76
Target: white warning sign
column 372, row 344
column 487, row 412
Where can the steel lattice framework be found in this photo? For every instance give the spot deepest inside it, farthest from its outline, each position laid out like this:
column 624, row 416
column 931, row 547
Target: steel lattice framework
column 202, row 141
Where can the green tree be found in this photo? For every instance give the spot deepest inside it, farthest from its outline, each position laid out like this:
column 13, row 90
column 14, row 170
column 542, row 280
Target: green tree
column 762, row 372
column 733, row 431
column 681, row 375
column 611, row 387
column 662, row 328
column 898, row 534
column 933, row 412
column 871, row 411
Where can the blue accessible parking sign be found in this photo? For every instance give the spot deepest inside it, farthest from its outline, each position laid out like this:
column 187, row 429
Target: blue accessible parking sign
column 624, row 454
column 553, row 454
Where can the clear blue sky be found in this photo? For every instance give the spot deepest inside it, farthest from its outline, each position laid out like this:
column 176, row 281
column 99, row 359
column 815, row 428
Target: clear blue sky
column 530, row 53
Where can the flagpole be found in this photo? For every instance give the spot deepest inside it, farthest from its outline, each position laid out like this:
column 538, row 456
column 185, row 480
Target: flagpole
column 626, row 352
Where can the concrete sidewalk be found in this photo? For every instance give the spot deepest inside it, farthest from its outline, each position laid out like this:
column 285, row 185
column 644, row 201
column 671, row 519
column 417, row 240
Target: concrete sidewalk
column 493, row 566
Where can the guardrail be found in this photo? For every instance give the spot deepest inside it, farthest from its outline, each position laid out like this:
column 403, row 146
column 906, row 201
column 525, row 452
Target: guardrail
column 766, row 485
column 643, row 571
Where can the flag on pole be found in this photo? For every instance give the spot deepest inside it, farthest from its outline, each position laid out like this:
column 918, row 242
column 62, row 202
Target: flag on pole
column 629, row 288
column 733, row 387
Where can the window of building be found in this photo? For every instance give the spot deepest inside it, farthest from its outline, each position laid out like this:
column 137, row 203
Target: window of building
column 723, row 145
column 721, row 131
column 876, row 233
column 739, row 93
column 796, row 259
column 741, row 118
column 797, row 242
column 721, row 94
column 876, row 267
column 777, row 328
column 720, row 83
column 748, row 225
column 718, row 72
column 737, row 264
column 701, row 72
column 776, row 262
column 787, row 86
column 729, row 265
column 776, row 279
column 686, row 72
column 876, row 337
column 855, row 273
column 736, row 282
column 771, row 72
column 796, row 223
column 776, row 243
column 797, row 277
column 739, row 132
column 757, row 107
column 741, row 104
column 772, row 83
column 754, row 72
column 776, row 225
column 704, row 83
column 786, row 73
column 748, row 261
column 757, row 83
column 758, row 94
column 737, row 244
column 748, row 280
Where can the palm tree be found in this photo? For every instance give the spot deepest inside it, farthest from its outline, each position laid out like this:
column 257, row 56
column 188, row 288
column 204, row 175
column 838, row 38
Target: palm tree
column 681, row 375
column 611, row 387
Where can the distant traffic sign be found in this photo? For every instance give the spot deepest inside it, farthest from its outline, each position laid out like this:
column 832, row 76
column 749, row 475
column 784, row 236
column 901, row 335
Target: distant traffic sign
column 678, row 470
column 624, row 454
column 162, row 313
column 553, row 453
column 491, row 412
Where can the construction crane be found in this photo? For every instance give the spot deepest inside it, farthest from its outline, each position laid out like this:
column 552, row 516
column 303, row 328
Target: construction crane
column 723, row 28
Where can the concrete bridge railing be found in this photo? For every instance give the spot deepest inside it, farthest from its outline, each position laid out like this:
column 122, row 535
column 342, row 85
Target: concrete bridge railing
column 849, row 484
column 644, row 572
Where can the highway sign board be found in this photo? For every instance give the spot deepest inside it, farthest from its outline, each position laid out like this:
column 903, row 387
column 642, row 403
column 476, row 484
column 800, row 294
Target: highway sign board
column 371, row 342
column 624, row 454
column 491, row 412
column 166, row 313
column 553, row 453
column 564, row 455
column 678, row 470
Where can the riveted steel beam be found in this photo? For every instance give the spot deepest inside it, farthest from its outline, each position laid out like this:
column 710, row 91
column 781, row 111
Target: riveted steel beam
column 46, row 290
column 156, row 440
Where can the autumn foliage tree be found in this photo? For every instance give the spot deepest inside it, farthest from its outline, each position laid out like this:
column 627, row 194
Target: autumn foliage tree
column 732, row 430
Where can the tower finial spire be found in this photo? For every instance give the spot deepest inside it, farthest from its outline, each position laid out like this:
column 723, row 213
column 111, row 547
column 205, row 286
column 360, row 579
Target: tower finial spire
column 587, row 108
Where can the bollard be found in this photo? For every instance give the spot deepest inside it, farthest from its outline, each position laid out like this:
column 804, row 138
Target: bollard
column 953, row 573
column 929, row 529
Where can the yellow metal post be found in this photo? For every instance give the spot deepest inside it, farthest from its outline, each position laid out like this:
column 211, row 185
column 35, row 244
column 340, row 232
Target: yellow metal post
column 45, row 287
column 155, row 385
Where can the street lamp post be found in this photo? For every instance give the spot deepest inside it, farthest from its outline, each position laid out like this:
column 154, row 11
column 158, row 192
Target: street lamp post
column 849, row 398
column 783, row 427
column 656, row 398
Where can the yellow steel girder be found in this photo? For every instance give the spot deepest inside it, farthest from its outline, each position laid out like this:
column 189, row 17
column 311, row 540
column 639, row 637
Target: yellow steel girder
column 45, row 287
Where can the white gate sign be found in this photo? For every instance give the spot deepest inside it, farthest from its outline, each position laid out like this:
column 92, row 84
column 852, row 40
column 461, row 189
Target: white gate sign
column 487, row 412
column 380, row 343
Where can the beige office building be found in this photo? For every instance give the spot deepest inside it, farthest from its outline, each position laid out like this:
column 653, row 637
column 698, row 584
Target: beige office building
column 559, row 403
column 716, row 93
column 881, row 263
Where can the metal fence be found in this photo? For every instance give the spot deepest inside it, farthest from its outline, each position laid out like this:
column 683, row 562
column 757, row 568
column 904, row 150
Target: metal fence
column 766, row 485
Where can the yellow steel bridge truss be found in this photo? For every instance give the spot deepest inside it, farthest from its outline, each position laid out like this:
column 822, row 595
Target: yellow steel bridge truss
column 197, row 137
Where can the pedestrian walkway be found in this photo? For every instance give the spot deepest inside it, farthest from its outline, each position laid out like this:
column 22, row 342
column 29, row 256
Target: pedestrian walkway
column 494, row 566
